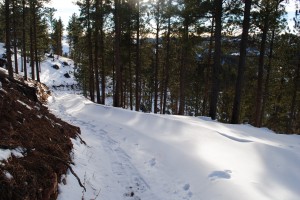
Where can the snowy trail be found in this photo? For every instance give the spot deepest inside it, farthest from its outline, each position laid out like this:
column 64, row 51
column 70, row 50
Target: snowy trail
column 102, row 156
column 137, row 156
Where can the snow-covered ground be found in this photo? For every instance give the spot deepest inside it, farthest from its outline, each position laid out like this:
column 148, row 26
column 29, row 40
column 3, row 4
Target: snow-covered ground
column 131, row 155
column 138, row 156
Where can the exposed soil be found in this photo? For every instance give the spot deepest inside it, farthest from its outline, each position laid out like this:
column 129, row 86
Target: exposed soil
column 25, row 123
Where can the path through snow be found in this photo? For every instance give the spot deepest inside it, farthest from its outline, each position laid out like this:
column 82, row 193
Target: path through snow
column 137, row 156
column 107, row 167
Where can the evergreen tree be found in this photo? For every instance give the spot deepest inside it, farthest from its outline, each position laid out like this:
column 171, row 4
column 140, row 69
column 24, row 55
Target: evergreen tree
column 57, row 37
column 75, row 33
column 242, row 63
column 8, row 39
column 217, row 61
column 24, row 40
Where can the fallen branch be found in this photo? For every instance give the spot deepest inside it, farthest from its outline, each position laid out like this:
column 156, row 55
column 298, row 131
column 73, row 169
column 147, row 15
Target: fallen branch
column 78, row 179
column 71, row 169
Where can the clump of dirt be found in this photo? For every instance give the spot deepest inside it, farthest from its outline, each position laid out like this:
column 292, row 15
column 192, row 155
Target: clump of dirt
column 43, row 140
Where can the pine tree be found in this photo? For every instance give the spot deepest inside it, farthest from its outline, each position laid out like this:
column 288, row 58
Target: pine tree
column 217, row 61
column 8, row 39
column 167, row 57
column 137, row 63
column 242, row 63
column 57, row 37
column 158, row 22
column 75, row 33
column 24, row 50
column 117, row 58
column 96, row 48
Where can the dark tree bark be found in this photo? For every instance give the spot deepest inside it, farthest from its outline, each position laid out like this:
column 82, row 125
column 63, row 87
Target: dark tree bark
column 167, row 62
column 35, row 43
column 103, row 71
column 137, row 67
column 90, row 52
column 242, row 63
column 183, row 66
column 31, row 45
column 266, row 93
column 117, row 94
column 217, row 61
column 261, row 59
column 208, row 70
column 7, row 42
column 15, row 36
column 24, row 39
column 156, row 57
column 96, row 36
column 130, row 59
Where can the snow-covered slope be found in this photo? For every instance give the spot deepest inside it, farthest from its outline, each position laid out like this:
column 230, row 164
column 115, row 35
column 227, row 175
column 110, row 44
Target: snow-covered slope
column 132, row 155
column 48, row 74
column 150, row 157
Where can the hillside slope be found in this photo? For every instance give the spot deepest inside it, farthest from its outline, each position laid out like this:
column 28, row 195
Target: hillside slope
column 35, row 146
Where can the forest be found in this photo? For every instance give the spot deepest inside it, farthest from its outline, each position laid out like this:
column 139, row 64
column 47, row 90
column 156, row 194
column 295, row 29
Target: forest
column 234, row 61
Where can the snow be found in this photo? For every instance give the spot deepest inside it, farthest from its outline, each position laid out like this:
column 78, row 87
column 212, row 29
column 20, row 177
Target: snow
column 136, row 156
column 24, row 104
column 51, row 76
column 6, row 153
column 174, row 157
column 8, row 175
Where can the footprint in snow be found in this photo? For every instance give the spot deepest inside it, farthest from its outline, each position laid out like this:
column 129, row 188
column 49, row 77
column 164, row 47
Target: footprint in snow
column 186, row 187
column 152, row 162
column 226, row 174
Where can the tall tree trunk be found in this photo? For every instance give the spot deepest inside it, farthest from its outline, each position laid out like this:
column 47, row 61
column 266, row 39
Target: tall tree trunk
column 266, row 93
column 137, row 67
column 117, row 94
column 156, row 58
column 91, row 67
column 103, row 81
column 24, row 39
column 242, row 63
column 183, row 66
column 7, row 42
column 96, row 67
column 217, row 61
column 130, row 60
column 208, row 69
column 35, row 43
column 259, row 90
column 15, row 37
column 31, row 48
column 167, row 62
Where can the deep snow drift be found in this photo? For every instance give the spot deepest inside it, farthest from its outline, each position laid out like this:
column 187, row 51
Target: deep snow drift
column 132, row 155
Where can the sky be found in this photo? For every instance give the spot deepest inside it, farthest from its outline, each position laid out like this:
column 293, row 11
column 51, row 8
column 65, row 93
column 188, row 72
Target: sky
column 65, row 9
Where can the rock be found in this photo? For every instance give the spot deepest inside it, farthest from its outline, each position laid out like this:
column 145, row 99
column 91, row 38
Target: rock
column 55, row 66
column 65, row 63
column 67, row 75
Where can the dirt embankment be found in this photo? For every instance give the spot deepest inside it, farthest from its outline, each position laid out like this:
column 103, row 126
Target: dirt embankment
column 42, row 140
